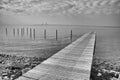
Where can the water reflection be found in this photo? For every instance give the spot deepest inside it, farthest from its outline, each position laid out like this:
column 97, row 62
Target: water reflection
column 108, row 39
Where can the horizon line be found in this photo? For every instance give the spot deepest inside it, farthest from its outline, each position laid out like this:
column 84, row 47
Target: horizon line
column 46, row 24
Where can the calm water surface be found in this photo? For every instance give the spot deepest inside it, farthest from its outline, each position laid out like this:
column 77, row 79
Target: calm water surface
column 108, row 39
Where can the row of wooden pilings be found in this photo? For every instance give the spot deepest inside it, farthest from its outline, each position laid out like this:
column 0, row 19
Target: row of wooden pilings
column 32, row 33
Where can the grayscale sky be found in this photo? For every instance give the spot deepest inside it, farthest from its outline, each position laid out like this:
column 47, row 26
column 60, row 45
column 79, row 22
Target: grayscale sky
column 79, row 12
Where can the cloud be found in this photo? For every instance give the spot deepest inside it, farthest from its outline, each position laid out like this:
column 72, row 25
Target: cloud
column 60, row 6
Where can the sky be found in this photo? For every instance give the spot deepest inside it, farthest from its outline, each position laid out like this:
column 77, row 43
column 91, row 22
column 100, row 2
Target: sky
column 73, row 12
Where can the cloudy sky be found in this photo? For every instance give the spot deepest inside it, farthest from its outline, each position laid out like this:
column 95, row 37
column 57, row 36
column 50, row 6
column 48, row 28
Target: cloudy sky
column 80, row 12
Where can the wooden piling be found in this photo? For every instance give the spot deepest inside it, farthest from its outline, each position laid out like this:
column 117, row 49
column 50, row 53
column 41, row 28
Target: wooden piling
column 21, row 32
column 18, row 31
column 30, row 33
column 34, row 33
column 14, row 31
column 6, row 31
column 27, row 31
column 45, row 34
column 71, row 35
column 56, row 35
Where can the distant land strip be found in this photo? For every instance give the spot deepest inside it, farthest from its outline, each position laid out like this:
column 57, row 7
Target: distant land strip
column 62, row 25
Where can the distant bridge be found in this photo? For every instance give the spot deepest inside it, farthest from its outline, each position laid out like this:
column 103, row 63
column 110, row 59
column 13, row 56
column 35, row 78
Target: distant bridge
column 71, row 63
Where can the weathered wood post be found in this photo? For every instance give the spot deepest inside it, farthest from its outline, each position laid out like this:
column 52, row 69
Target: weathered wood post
column 6, row 31
column 30, row 33
column 95, row 45
column 56, row 34
column 18, row 31
column 14, row 31
column 71, row 35
column 21, row 32
column 27, row 31
column 34, row 33
column 45, row 34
